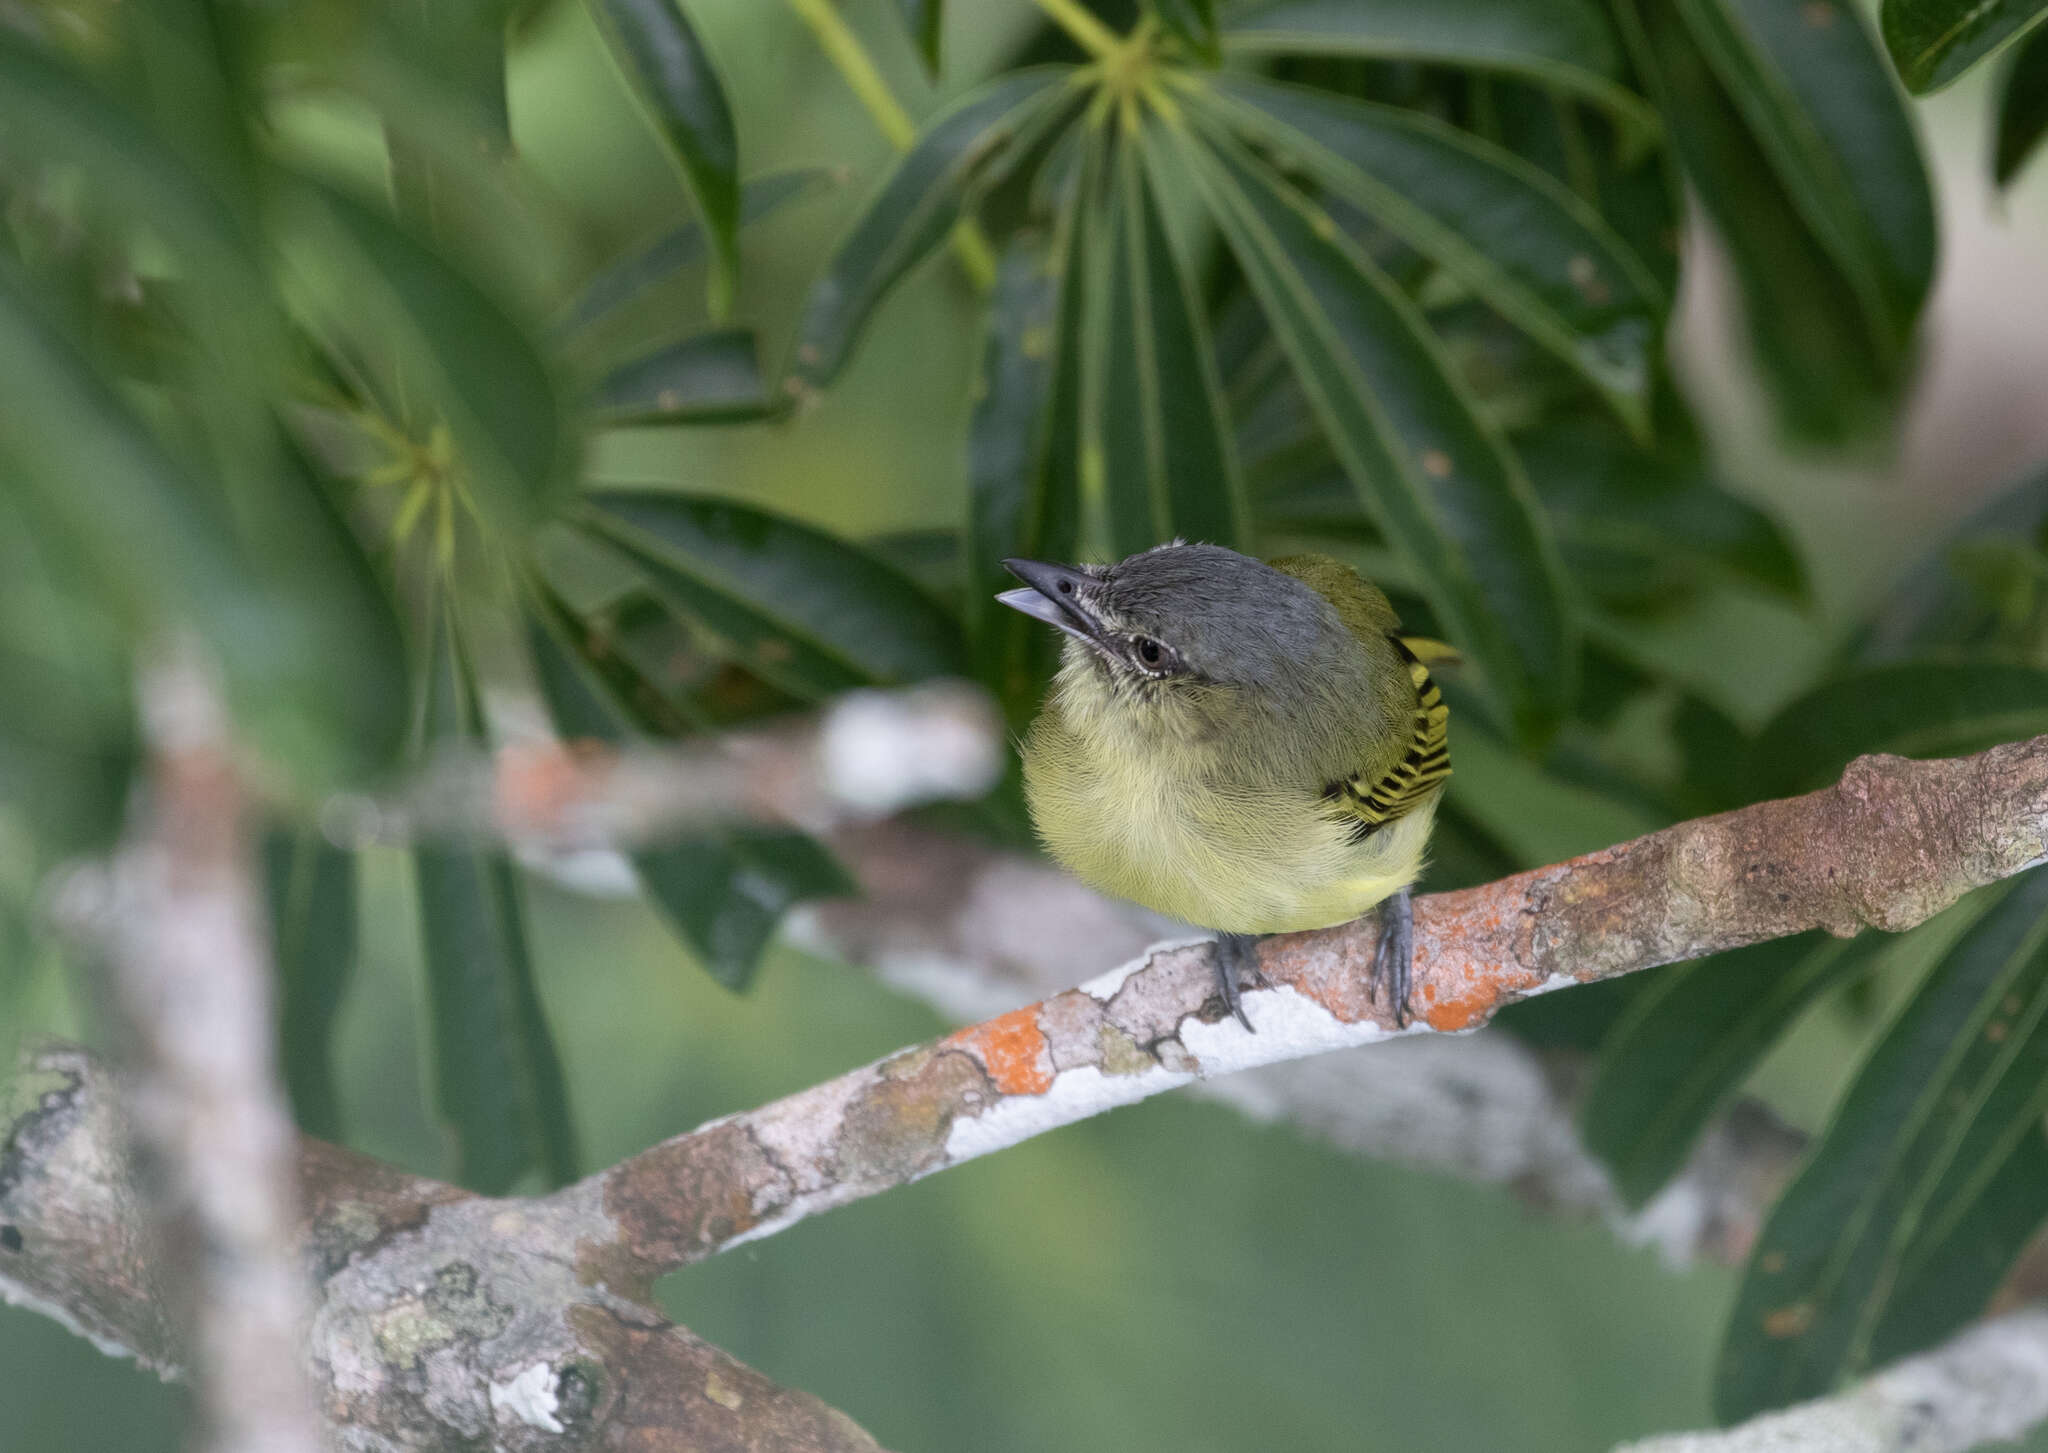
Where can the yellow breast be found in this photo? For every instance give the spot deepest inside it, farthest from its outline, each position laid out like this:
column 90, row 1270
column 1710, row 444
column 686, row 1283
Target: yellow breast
column 1154, row 830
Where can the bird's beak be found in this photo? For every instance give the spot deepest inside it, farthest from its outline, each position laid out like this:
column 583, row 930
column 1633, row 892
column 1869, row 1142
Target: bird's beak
column 1054, row 595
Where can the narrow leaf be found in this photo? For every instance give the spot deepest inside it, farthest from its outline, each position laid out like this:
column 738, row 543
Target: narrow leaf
column 1689, row 1042
column 2022, row 107
column 913, row 212
column 713, row 378
column 722, row 894
column 1193, row 24
column 1983, row 586
column 926, row 22
column 1912, row 708
column 1812, row 87
column 619, row 282
column 1934, row 41
column 497, row 1080
column 801, row 608
column 1434, row 478
column 480, row 366
column 1169, row 460
column 1515, row 236
column 312, row 900
column 1567, row 44
column 1954, row 1090
column 655, row 45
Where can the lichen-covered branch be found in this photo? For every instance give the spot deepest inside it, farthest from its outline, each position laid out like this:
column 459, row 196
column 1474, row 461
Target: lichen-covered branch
column 1988, row 1384
column 1889, row 846
column 974, row 930
column 868, row 754
column 440, row 1319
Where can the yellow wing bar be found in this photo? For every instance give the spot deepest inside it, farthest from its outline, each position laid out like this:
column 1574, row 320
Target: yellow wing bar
column 1426, row 764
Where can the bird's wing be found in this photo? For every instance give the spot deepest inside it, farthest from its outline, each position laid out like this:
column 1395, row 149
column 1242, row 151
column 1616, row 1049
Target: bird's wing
column 1380, row 797
column 1422, row 768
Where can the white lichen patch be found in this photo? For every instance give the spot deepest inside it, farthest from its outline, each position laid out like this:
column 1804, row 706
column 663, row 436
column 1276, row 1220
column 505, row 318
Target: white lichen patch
column 1104, row 986
column 1075, row 1095
column 529, row 1397
column 1290, row 1026
column 16, row 1295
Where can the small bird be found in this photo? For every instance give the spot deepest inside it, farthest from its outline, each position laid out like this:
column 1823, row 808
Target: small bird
column 1249, row 747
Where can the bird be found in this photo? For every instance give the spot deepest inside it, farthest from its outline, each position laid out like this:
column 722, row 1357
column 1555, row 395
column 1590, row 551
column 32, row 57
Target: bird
column 1248, row 746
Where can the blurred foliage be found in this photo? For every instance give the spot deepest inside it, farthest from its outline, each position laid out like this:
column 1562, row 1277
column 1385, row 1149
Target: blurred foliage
column 342, row 398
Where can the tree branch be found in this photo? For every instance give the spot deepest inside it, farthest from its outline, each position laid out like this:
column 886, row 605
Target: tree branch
column 1989, row 1384
column 1890, row 845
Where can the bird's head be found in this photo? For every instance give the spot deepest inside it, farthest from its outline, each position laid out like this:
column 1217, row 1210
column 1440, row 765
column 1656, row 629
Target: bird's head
column 1189, row 630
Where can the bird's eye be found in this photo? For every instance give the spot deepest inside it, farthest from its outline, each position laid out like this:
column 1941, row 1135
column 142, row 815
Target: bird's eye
column 1148, row 651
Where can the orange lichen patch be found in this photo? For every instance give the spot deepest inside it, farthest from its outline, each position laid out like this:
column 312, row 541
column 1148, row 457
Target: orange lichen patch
column 1013, row 1050
column 1467, row 962
column 535, row 786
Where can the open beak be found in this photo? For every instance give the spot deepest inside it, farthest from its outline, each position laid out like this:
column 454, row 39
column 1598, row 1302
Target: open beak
column 1053, row 595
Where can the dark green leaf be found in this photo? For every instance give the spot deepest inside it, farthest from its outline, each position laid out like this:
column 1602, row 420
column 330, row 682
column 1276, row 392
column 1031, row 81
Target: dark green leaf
column 926, row 22
column 1956, row 1087
column 1834, row 367
column 1934, row 41
column 458, row 49
column 653, row 42
column 481, row 368
column 723, row 893
column 497, row 1081
column 913, row 212
column 1912, row 708
column 1812, row 88
column 1690, row 1041
column 713, row 378
column 2022, row 107
column 312, row 901
column 1024, row 448
column 1643, row 527
column 1567, row 44
column 674, row 674
column 1517, row 238
column 1193, row 24
column 1434, row 478
column 1169, row 465
column 801, row 608
column 620, row 282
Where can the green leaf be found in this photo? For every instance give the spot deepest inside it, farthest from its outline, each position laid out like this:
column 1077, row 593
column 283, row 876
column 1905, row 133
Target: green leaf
column 801, row 608
column 1567, row 44
column 1912, row 708
column 619, row 282
column 674, row 675
column 454, row 52
column 1813, row 90
column 723, row 894
column 926, row 22
column 497, row 1080
column 1024, row 449
column 2022, row 107
column 1983, row 586
column 1193, row 24
column 1934, row 41
column 1434, row 478
column 283, row 595
column 1834, row 366
column 654, row 44
column 713, row 378
column 480, row 367
column 1641, row 528
column 1912, row 1161
column 311, row 889
column 1690, row 1041
column 1158, row 423
column 1519, row 239
column 914, row 211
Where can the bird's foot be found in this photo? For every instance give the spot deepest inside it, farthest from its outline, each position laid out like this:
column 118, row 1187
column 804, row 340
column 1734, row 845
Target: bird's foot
column 1394, row 956
column 1237, row 954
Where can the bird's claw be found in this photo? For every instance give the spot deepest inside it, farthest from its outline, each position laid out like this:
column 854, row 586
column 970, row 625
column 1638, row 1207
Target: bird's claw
column 1393, row 957
column 1237, row 953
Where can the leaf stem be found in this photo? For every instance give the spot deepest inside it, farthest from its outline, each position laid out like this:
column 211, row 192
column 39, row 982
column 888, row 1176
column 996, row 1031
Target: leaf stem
column 857, row 68
column 1079, row 22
